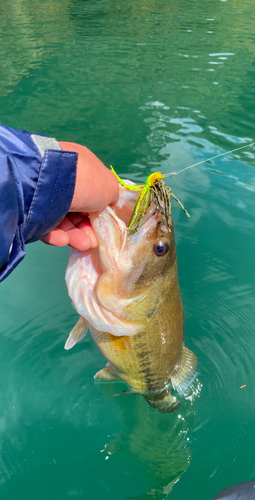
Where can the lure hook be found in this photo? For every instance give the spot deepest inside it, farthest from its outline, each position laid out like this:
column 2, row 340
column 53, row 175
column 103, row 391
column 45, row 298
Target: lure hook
column 154, row 189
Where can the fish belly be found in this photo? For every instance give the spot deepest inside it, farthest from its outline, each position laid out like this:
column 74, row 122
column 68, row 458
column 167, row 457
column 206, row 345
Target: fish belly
column 146, row 360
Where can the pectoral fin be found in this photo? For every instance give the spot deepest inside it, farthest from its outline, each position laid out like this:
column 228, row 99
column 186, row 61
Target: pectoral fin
column 184, row 372
column 106, row 374
column 78, row 332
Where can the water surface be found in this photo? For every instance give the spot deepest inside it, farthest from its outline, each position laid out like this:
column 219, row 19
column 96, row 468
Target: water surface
column 148, row 85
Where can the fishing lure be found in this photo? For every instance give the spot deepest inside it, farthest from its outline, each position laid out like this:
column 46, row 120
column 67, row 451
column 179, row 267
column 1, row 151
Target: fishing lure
column 154, row 190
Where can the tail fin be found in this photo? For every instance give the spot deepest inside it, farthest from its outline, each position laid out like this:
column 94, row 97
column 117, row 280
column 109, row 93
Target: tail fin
column 185, row 372
column 164, row 402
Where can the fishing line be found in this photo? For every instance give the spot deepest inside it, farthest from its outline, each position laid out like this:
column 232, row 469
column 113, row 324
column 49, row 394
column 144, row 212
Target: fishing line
column 155, row 188
column 209, row 159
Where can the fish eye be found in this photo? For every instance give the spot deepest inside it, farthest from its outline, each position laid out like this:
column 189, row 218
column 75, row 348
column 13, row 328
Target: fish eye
column 160, row 248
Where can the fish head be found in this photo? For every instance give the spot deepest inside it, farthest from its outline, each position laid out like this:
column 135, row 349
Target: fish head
column 149, row 254
column 119, row 286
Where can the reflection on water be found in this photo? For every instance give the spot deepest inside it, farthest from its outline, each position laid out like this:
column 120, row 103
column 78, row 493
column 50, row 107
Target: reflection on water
column 159, row 442
column 148, row 85
column 27, row 31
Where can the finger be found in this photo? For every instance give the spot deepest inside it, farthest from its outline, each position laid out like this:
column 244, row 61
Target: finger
column 57, row 237
column 66, row 224
column 79, row 239
column 72, row 220
column 86, row 228
column 83, row 214
column 76, row 218
column 84, row 224
column 75, row 238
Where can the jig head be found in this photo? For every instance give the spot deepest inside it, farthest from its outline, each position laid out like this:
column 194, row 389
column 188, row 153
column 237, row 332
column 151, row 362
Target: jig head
column 154, row 190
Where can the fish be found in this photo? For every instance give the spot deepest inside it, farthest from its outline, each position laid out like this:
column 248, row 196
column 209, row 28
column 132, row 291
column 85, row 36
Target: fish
column 127, row 294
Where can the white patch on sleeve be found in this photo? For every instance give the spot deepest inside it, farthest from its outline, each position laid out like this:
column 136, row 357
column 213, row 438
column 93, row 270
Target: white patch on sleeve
column 43, row 143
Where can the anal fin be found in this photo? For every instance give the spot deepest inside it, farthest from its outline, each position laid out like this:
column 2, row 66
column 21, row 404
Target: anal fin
column 185, row 372
column 77, row 333
column 106, row 374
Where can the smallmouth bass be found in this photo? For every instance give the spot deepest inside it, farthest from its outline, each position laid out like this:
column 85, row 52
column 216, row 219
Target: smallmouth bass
column 127, row 294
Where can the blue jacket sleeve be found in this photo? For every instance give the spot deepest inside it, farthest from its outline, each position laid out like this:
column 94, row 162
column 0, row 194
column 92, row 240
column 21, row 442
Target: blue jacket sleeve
column 37, row 181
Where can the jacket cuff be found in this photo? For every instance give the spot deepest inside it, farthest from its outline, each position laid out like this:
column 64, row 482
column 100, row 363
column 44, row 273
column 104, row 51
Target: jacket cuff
column 50, row 177
column 53, row 194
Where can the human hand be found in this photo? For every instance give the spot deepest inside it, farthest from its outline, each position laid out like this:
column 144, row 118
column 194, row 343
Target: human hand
column 96, row 187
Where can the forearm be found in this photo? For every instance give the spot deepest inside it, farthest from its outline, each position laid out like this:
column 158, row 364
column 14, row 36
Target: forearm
column 36, row 191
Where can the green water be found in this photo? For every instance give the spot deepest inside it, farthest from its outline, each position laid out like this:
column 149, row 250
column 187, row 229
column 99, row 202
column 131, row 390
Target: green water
column 147, row 85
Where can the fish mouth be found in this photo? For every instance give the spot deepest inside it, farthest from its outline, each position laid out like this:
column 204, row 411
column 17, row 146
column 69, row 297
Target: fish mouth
column 153, row 208
column 95, row 277
column 125, row 207
column 116, row 240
